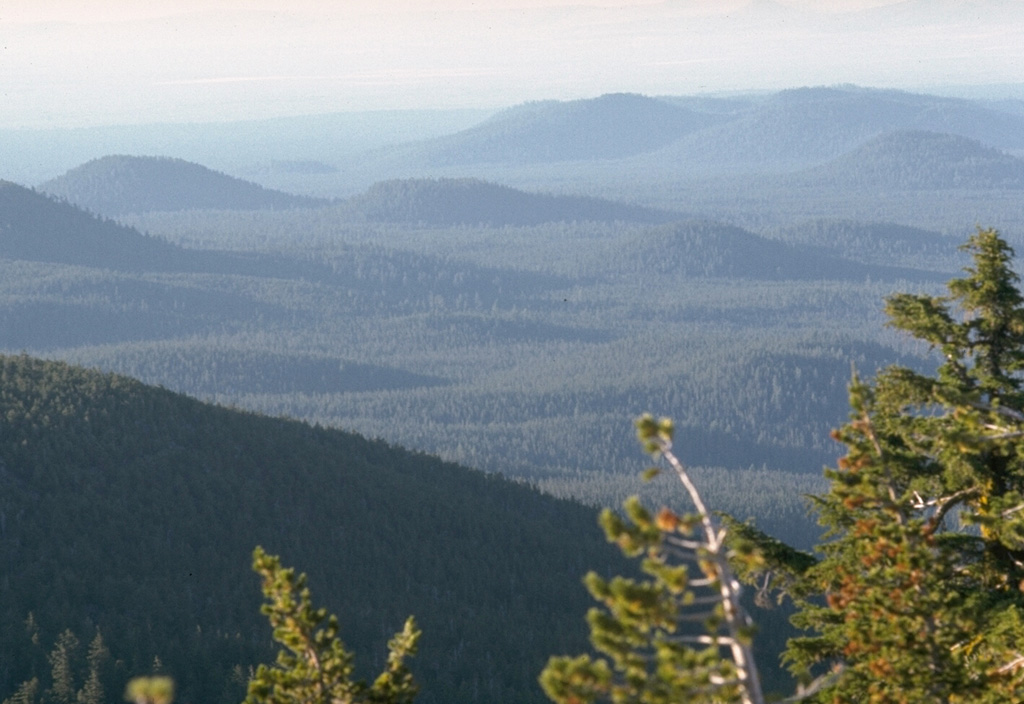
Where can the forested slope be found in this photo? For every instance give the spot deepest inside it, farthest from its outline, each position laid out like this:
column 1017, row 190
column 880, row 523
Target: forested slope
column 133, row 511
column 709, row 249
column 915, row 159
column 872, row 242
column 488, row 345
column 36, row 227
column 441, row 202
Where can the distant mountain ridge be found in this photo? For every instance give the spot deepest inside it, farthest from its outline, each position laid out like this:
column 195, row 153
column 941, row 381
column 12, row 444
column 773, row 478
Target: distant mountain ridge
column 804, row 126
column 608, row 127
column 788, row 130
column 600, row 139
column 118, row 184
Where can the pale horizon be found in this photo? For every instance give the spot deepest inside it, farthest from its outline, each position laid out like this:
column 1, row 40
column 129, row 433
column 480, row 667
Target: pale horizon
column 66, row 64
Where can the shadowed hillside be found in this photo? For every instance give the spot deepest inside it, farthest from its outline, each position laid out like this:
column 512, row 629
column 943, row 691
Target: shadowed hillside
column 134, row 510
column 475, row 202
column 38, row 228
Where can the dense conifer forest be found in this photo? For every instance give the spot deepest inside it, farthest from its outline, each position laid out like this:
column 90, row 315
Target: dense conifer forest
column 130, row 512
column 507, row 296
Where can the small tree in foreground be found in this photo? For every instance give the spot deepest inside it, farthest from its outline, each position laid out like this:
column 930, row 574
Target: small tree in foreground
column 923, row 570
column 677, row 636
column 314, row 667
column 150, row 690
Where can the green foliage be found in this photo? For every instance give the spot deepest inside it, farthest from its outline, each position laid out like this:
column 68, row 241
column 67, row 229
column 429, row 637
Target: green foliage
column 894, row 614
column 646, row 627
column 641, row 628
column 324, row 320
column 314, row 667
column 924, row 569
column 150, row 690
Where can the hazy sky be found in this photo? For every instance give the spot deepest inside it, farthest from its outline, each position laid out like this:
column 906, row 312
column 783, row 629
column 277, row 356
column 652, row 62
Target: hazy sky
column 78, row 62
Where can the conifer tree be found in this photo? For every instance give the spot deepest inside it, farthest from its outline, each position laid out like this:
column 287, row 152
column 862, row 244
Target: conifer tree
column 62, row 672
column 27, row 693
column 92, row 691
column 675, row 636
column 923, row 566
column 314, row 667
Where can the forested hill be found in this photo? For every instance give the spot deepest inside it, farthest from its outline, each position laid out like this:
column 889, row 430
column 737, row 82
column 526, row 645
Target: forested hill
column 914, row 160
column 711, row 249
column 114, row 185
column 133, row 511
column 123, row 285
column 871, row 242
column 476, row 202
column 40, row 228
column 35, row 227
column 610, row 126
